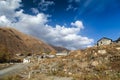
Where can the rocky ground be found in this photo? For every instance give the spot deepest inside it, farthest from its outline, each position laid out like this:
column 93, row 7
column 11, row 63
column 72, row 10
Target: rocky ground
column 96, row 63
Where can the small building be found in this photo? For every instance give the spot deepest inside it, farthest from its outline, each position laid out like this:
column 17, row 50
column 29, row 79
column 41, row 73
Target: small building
column 62, row 54
column 104, row 41
column 50, row 56
column 26, row 60
column 44, row 55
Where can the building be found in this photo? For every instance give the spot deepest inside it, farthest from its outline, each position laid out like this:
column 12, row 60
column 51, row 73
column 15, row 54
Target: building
column 50, row 56
column 104, row 41
column 26, row 60
column 62, row 54
column 118, row 41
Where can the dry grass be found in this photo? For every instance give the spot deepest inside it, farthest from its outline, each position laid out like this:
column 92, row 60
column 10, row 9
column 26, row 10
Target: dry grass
column 79, row 65
column 99, row 76
column 13, row 77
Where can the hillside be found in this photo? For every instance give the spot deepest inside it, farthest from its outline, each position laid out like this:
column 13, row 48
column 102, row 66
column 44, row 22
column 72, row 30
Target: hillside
column 95, row 63
column 60, row 49
column 15, row 42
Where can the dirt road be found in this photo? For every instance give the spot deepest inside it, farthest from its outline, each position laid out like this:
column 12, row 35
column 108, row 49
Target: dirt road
column 13, row 69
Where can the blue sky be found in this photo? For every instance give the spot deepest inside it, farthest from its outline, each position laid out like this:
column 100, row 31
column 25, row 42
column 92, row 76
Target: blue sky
column 100, row 17
column 73, row 24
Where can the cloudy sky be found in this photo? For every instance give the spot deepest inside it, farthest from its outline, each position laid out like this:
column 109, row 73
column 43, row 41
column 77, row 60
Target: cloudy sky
column 72, row 24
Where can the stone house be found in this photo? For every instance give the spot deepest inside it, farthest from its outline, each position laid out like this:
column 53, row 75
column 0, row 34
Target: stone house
column 104, row 41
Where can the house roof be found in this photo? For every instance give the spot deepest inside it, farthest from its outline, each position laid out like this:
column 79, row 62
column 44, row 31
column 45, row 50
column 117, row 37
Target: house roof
column 104, row 38
column 118, row 39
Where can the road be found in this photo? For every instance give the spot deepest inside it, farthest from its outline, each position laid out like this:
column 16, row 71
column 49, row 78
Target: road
column 13, row 69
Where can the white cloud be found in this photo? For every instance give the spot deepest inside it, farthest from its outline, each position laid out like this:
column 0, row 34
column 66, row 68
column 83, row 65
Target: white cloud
column 43, row 5
column 36, row 25
column 11, row 4
column 4, row 21
column 8, row 6
column 34, row 10
column 70, row 1
column 78, row 24
column 70, row 7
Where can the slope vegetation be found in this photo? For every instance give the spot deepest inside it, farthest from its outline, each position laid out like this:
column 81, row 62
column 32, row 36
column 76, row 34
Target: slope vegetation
column 14, row 42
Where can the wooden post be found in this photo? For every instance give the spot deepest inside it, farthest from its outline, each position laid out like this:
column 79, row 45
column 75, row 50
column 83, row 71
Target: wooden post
column 29, row 75
column 38, row 59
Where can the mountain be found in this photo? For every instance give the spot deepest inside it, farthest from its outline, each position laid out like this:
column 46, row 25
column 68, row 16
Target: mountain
column 60, row 49
column 14, row 42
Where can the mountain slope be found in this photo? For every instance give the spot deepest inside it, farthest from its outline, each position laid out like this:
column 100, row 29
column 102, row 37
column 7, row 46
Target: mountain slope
column 60, row 49
column 13, row 41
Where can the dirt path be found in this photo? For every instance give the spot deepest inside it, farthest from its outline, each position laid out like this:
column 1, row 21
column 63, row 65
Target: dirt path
column 13, row 69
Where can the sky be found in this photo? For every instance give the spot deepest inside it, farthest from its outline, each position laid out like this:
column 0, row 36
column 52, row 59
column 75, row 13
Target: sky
column 73, row 24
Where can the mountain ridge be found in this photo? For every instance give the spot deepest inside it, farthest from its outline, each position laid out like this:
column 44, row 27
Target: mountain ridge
column 14, row 42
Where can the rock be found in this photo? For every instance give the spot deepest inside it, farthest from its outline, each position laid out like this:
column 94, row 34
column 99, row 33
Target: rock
column 94, row 63
column 83, row 65
column 69, row 73
column 95, row 54
column 102, row 52
column 65, row 70
column 118, row 48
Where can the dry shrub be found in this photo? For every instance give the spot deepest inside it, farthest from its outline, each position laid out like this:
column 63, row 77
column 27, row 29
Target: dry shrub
column 13, row 77
column 101, row 67
column 85, row 77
